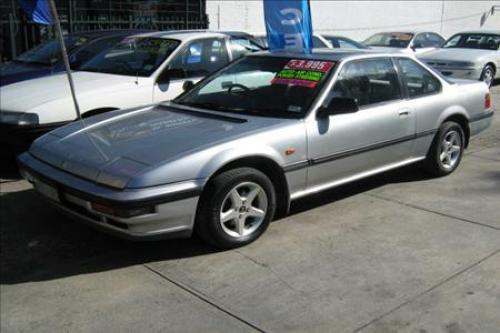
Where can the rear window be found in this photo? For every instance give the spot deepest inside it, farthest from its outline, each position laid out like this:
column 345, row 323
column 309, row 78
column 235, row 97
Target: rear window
column 390, row 39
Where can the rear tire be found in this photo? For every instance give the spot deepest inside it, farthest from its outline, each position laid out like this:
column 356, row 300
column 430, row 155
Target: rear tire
column 236, row 208
column 446, row 151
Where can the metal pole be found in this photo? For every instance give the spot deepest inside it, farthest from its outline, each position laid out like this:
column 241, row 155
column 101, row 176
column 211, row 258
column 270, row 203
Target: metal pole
column 186, row 23
column 13, row 51
column 65, row 57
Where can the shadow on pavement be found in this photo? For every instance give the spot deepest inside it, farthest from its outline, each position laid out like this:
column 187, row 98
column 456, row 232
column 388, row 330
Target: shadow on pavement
column 39, row 244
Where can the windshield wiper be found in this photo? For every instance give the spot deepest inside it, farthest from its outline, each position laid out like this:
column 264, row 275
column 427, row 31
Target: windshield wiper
column 212, row 106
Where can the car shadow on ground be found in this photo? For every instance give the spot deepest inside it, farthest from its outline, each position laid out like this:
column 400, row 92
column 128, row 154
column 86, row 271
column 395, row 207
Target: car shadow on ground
column 39, row 243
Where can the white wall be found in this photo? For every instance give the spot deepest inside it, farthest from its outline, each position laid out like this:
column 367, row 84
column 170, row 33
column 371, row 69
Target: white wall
column 359, row 19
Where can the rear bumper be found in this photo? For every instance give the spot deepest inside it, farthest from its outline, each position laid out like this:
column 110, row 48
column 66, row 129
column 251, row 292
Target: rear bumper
column 173, row 206
column 480, row 122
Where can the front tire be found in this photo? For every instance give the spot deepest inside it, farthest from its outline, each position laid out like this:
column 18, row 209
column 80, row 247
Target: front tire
column 236, row 208
column 446, row 151
column 488, row 75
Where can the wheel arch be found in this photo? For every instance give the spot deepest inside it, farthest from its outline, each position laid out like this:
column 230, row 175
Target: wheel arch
column 463, row 122
column 271, row 169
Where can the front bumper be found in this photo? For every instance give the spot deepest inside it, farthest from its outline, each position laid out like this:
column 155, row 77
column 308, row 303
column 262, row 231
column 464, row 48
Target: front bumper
column 460, row 73
column 174, row 204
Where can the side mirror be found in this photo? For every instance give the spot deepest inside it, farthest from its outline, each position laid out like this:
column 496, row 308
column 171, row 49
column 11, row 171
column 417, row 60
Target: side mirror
column 187, row 85
column 338, row 105
column 170, row 74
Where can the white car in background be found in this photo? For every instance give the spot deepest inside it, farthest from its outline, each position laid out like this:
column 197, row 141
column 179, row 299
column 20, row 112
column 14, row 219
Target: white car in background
column 320, row 41
column 468, row 55
column 404, row 41
column 140, row 70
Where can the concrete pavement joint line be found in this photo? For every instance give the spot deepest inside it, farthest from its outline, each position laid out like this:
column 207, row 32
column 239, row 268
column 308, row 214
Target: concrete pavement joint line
column 484, row 158
column 269, row 269
column 414, row 298
column 203, row 298
column 431, row 211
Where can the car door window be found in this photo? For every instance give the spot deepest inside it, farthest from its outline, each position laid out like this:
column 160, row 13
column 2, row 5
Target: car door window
column 368, row 81
column 418, row 81
column 200, row 58
column 435, row 40
column 242, row 46
column 344, row 44
column 420, row 41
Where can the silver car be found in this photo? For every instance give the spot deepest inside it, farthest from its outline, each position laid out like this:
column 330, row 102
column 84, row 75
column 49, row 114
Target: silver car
column 233, row 151
column 413, row 42
column 468, row 55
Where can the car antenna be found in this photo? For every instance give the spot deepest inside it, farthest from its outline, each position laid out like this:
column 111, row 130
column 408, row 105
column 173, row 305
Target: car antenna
column 137, row 77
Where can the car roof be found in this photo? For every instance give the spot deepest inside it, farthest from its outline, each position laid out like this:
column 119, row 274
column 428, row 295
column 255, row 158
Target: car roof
column 107, row 33
column 486, row 32
column 189, row 34
column 326, row 54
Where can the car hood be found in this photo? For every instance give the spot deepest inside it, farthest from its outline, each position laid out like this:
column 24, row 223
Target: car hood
column 117, row 146
column 26, row 95
column 12, row 72
column 456, row 54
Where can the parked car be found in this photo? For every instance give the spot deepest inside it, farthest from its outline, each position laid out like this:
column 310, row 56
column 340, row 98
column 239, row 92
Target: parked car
column 409, row 42
column 320, row 41
column 46, row 58
column 342, row 42
column 238, row 147
column 141, row 69
column 468, row 55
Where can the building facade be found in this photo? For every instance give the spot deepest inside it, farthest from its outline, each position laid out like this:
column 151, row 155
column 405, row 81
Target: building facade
column 360, row 19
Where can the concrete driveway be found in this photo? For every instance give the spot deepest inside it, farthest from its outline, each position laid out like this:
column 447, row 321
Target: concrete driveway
column 399, row 252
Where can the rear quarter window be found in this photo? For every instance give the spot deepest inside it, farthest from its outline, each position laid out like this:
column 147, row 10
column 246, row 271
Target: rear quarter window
column 417, row 80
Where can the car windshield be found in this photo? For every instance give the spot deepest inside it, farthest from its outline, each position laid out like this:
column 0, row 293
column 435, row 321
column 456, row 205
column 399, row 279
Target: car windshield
column 264, row 86
column 390, row 39
column 473, row 41
column 133, row 56
column 49, row 53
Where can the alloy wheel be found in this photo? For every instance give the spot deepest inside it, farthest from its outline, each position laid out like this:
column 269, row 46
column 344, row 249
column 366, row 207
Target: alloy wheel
column 451, row 148
column 243, row 209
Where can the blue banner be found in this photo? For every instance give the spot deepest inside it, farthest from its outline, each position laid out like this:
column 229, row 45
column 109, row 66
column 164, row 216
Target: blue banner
column 288, row 25
column 37, row 10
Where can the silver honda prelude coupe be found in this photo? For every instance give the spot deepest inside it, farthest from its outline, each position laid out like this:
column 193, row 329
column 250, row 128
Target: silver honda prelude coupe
column 235, row 149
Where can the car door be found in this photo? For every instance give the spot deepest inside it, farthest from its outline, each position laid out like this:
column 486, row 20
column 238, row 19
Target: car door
column 423, row 90
column 380, row 133
column 194, row 61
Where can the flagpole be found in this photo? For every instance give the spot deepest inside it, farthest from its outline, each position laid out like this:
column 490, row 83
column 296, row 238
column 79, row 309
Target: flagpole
column 65, row 57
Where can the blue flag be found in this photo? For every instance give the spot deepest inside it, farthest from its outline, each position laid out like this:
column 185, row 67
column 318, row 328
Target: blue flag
column 38, row 10
column 288, row 25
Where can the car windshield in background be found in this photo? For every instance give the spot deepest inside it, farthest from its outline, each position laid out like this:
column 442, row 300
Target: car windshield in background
column 265, row 86
column 49, row 52
column 390, row 39
column 134, row 56
column 473, row 41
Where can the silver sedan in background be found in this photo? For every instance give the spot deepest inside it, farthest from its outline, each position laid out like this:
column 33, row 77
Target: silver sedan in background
column 234, row 150
column 468, row 55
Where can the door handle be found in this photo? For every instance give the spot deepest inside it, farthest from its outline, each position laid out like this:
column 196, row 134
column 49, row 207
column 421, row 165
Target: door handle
column 403, row 113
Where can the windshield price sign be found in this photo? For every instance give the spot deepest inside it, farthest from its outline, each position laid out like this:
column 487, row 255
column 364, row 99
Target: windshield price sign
column 305, row 73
